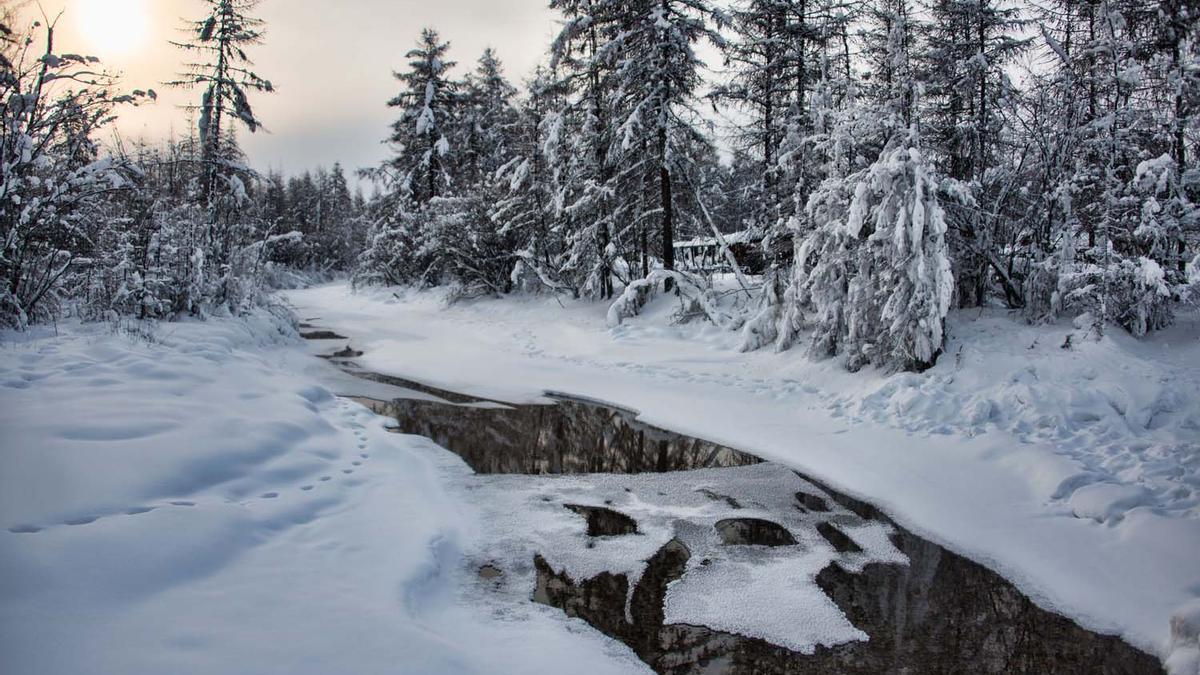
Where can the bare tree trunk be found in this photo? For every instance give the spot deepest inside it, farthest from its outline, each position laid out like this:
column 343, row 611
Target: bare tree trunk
column 668, row 215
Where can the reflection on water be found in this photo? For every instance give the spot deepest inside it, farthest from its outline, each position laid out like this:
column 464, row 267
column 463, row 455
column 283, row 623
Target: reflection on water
column 565, row 437
column 940, row 614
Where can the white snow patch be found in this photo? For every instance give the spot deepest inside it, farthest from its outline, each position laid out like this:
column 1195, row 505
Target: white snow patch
column 768, row 593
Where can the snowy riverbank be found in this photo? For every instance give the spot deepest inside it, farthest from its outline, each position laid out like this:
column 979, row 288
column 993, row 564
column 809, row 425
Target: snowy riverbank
column 199, row 502
column 1072, row 472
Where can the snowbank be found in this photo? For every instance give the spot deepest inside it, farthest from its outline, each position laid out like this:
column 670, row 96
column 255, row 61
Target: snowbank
column 193, row 500
column 1073, row 472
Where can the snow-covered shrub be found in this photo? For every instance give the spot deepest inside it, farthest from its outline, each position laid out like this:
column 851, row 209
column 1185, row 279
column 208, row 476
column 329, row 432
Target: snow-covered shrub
column 1130, row 292
column 393, row 253
column 901, row 291
column 692, row 288
column 1166, row 213
column 52, row 177
column 762, row 328
column 876, row 269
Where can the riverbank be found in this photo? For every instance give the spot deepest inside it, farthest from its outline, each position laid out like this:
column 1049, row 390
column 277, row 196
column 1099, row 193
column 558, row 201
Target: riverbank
column 1072, row 472
column 192, row 498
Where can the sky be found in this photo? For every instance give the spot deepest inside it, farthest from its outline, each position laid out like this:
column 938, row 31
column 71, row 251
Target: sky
column 330, row 61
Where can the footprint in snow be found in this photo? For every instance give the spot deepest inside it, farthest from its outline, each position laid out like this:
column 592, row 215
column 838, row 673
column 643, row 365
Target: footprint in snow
column 306, row 488
column 269, row 495
column 347, row 470
column 183, row 503
column 325, row 478
column 25, row 529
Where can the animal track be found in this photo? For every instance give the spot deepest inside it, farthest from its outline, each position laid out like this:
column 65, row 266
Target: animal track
column 88, row 520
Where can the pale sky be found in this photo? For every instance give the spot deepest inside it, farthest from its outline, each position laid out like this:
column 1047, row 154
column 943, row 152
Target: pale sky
column 331, row 62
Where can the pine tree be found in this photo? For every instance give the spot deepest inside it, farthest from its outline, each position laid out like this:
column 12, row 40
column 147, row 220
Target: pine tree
column 656, row 76
column 769, row 57
column 422, row 167
column 525, row 210
column 222, row 70
column 578, row 142
column 406, row 245
column 478, row 249
column 968, row 47
column 487, row 118
column 875, row 269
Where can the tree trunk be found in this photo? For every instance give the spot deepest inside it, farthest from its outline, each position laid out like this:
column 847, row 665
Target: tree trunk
column 668, row 223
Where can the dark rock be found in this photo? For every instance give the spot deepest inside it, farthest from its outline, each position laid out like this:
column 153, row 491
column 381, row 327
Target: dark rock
column 753, row 532
column 809, row 502
column 322, row 335
column 841, row 543
column 602, row 522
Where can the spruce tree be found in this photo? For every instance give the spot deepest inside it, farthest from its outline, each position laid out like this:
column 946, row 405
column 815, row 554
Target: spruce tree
column 423, row 165
column 222, row 70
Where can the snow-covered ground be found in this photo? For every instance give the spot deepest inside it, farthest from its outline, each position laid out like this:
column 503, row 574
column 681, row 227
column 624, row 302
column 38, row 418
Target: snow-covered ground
column 1073, row 472
column 195, row 500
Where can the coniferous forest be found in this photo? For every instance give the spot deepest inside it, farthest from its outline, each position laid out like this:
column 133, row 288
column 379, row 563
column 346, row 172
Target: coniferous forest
column 880, row 162
column 720, row 337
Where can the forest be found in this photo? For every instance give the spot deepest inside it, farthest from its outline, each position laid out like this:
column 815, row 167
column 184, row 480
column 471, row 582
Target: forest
column 891, row 160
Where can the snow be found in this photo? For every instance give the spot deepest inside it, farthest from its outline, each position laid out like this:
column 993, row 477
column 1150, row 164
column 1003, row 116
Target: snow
column 1185, row 639
column 1074, row 472
column 767, row 593
column 196, row 500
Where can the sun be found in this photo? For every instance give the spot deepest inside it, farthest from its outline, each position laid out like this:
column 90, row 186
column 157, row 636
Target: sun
column 112, row 27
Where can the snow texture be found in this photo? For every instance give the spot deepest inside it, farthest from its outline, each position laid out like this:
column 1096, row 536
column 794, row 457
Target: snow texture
column 767, row 593
column 1074, row 472
column 195, row 500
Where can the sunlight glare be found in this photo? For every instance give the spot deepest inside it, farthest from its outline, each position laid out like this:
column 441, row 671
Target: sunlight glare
column 113, row 27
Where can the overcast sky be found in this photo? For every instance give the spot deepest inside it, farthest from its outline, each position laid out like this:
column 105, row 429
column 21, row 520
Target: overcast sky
column 330, row 60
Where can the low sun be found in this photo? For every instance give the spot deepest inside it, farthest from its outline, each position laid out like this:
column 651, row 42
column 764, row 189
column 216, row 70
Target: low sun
column 112, row 27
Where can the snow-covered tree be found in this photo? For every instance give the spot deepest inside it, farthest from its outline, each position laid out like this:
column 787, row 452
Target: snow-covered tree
column 578, row 142
column 54, row 183
column 875, row 269
column 223, row 71
column 969, row 46
column 526, row 208
column 770, row 59
column 656, row 75
column 422, row 166
column 486, row 118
